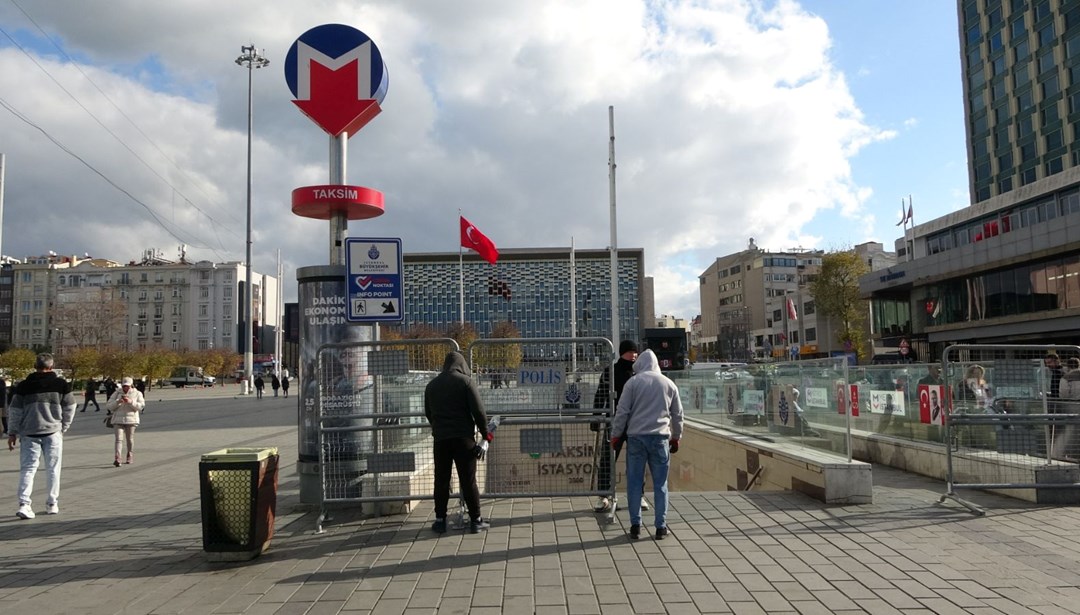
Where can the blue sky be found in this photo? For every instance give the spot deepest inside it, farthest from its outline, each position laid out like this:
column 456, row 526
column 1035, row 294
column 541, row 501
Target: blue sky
column 801, row 125
column 902, row 61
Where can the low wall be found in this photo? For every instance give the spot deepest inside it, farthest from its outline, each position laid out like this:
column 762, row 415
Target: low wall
column 713, row 459
column 930, row 459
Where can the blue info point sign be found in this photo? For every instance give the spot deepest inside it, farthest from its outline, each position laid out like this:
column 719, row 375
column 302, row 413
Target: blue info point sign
column 373, row 270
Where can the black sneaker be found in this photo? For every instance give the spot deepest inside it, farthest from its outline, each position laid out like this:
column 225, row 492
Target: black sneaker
column 478, row 525
column 635, row 532
column 661, row 532
column 439, row 527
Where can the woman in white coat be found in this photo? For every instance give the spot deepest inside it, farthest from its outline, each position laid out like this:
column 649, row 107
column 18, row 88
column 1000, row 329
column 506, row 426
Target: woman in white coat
column 124, row 406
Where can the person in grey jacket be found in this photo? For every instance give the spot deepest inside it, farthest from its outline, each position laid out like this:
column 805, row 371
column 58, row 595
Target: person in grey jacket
column 650, row 419
column 41, row 411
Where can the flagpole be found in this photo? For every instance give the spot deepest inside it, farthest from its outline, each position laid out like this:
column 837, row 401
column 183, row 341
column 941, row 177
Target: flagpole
column 614, row 240
column 461, row 275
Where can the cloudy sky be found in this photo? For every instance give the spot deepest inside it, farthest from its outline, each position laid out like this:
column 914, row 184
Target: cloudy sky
column 797, row 124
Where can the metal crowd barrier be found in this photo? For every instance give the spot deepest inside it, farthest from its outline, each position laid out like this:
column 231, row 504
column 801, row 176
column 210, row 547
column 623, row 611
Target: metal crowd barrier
column 376, row 447
column 1008, row 427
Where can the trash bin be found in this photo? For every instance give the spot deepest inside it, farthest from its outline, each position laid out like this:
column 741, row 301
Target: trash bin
column 238, row 487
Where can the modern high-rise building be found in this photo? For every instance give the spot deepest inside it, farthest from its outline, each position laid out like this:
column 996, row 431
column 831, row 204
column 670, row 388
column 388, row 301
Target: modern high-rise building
column 1006, row 268
column 530, row 288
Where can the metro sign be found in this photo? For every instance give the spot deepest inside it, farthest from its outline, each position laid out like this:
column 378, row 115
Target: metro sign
column 337, row 77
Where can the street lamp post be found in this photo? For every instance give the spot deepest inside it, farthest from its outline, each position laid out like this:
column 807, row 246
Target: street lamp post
column 251, row 59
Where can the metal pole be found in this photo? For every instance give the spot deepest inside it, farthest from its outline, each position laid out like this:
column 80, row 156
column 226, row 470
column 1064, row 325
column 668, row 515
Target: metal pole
column 615, row 337
column 2, row 163
column 251, row 59
column 339, row 224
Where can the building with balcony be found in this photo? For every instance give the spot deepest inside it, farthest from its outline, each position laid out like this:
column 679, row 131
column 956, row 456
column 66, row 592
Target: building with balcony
column 62, row 302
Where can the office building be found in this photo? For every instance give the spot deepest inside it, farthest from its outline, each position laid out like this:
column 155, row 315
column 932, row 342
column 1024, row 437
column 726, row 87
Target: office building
column 745, row 312
column 530, row 288
column 1006, row 268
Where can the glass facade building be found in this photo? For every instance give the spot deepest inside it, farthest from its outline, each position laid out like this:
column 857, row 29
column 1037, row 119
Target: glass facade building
column 530, row 288
column 1006, row 268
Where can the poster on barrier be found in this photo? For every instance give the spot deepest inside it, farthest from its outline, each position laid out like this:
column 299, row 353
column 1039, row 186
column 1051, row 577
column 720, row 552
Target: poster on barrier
column 543, row 458
column 887, row 402
column 930, row 404
column 754, row 402
column 783, row 405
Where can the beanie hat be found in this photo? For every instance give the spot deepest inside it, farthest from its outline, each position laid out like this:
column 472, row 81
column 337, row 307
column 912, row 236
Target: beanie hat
column 627, row 346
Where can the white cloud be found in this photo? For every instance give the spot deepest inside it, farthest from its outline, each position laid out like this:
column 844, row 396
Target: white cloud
column 731, row 122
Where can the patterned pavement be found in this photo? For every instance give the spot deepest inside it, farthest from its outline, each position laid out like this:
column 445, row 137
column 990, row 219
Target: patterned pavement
column 128, row 540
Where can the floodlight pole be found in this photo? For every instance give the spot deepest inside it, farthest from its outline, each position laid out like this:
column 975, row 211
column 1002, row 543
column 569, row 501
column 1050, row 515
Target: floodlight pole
column 251, row 59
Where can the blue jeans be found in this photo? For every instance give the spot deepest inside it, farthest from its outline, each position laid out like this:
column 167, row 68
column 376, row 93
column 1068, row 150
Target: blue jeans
column 31, row 451
column 651, row 450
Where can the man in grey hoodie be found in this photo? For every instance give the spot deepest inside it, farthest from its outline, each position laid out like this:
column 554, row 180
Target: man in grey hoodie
column 650, row 419
column 41, row 411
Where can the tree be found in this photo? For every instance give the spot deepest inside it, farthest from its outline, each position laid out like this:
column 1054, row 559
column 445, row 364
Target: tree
column 502, row 358
column 158, row 362
column 83, row 362
column 120, row 363
column 90, row 318
column 836, row 296
column 17, row 363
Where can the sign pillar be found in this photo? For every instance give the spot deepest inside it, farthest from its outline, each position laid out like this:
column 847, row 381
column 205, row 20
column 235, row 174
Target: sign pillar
column 337, row 78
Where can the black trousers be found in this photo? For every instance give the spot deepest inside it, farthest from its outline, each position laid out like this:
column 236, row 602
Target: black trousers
column 456, row 452
column 603, row 464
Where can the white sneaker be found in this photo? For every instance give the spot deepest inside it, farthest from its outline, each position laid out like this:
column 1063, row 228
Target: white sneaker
column 644, row 504
column 25, row 512
column 52, row 509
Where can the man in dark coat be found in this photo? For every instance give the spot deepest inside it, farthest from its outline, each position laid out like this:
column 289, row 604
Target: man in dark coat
column 454, row 411
column 90, row 396
column 623, row 369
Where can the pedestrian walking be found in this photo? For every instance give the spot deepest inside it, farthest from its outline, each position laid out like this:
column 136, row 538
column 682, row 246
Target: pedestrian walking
column 90, row 395
column 623, row 369
column 285, row 385
column 110, row 388
column 3, row 405
column 454, row 411
column 125, row 406
column 259, row 384
column 275, row 383
column 649, row 417
column 42, row 409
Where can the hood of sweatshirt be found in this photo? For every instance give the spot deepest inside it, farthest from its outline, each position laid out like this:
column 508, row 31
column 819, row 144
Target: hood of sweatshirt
column 646, row 362
column 455, row 362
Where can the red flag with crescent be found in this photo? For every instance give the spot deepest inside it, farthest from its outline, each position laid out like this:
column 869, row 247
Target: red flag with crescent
column 473, row 239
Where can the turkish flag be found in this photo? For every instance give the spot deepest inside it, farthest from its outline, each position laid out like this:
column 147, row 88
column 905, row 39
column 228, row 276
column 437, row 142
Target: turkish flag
column 473, row 239
column 931, row 398
column 853, row 400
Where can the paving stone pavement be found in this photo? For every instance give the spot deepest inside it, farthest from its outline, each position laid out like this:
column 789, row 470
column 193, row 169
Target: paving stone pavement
column 128, row 540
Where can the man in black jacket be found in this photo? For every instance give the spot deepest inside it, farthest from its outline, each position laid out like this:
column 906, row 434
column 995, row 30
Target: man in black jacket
column 623, row 370
column 454, row 411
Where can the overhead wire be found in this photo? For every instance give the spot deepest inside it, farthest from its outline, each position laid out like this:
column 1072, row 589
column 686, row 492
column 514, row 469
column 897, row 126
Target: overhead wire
column 163, row 223
column 123, row 114
column 199, row 243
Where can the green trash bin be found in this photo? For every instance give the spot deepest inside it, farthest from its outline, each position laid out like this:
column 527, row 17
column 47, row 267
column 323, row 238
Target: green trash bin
column 238, row 488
